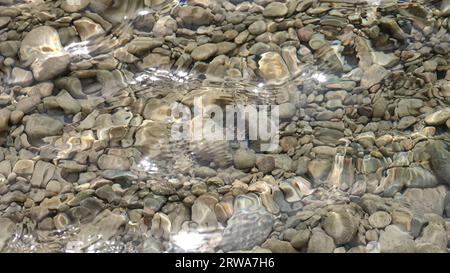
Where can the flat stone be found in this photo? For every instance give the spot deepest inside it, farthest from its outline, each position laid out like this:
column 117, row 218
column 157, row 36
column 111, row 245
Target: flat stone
column 74, row 5
column 50, row 67
column 426, row 200
column 257, row 27
column 4, row 119
column 244, row 159
column 104, row 226
column 87, row 28
column 6, row 231
column 273, row 68
column 203, row 212
column 42, row 47
column 9, row 48
column 275, row 9
column 320, row 242
column 193, row 16
column 39, row 126
column 438, row 118
column 394, row 240
column 21, row 77
column 24, row 167
column 66, row 102
column 204, row 52
column 300, row 239
column 278, row 246
column 140, row 45
column 380, row 219
column 42, row 174
column 341, row 225
column 4, row 21
column 373, row 75
column 112, row 162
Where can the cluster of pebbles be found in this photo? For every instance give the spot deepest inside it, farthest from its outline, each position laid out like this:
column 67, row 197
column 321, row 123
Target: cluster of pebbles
column 86, row 162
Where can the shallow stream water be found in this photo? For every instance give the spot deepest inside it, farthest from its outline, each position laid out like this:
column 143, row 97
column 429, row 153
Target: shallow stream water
column 100, row 102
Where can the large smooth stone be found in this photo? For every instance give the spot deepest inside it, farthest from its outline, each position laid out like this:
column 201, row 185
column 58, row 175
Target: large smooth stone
column 373, row 75
column 341, row 225
column 426, row 200
column 42, row 48
column 394, row 240
column 6, row 231
column 273, row 68
column 39, row 126
column 439, row 117
column 412, row 177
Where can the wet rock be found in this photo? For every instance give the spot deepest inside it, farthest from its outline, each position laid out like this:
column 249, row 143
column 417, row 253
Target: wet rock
column 140, row 45
column 42, row 49
column 112, row 162
column 13, row 196
column 193, row 16
column 203, row 212
column 6, row 231
column 104, row 226
column 72, row 85
column 275, row 9
column 278, row 246
column 155, row 61
column 38, row 126
column 447, row 205
column 440, row 159
column 318, row 169
column 204, row 172
column 445, row 8
column 380, row 219
column 273, row 68
column 61, row 221
column 107, row 193
column 51, row 67
column 74, row 6
column 66, row 102
column 4, row 119
column 426, row 200
column 412, row 177
column 24, row 167
column 42, row 174
column 244, row 159
column 257, row 27
column 305, row 34
column 341, row 225
column 9, row 48
column 4, row 21
column 161, row 226
column 204, row 52
column 373, row 75
column 250, row 222
column 21, row 77
column 224, row 209
column 438, row 118
column 300, row 239
column 162, row 188
column 320, row 242
column 225, row 47
column 394, row 240
column 408, row 107
column 154, row 202
column 433, row 235
column 266, row 164
column 87, row 28
column 165, row 26
column 199, row 188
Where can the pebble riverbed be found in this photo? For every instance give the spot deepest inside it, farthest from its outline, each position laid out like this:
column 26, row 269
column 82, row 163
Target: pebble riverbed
column 87, row 163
